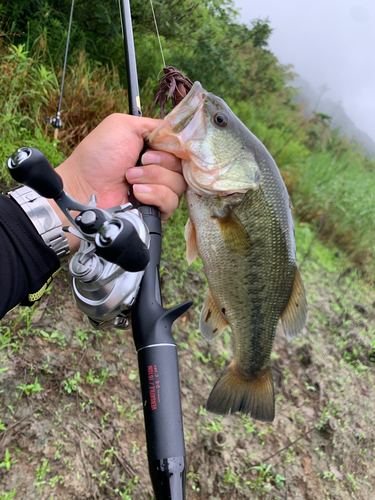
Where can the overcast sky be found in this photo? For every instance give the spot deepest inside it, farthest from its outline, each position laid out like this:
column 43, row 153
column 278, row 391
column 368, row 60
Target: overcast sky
column 329, row 42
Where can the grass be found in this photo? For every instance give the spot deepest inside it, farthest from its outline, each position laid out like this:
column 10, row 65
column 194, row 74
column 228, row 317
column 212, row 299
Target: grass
column 333, row 194
column 79, row 399
column 339, row 193
column 332, row 187
column 331, row 182
column 24, row 93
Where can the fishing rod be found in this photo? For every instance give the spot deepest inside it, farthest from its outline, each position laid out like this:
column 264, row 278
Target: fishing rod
column 155, row 345
column 120, row 255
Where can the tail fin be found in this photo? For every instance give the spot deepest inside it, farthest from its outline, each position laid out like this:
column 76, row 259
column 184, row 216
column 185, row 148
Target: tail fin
column 236, row 391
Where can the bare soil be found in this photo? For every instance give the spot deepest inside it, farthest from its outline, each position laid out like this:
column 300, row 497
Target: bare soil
column 77, row 431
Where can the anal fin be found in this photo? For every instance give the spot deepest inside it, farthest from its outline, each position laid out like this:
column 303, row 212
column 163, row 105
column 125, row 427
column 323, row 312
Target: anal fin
column 293, row 319
column 211, row 322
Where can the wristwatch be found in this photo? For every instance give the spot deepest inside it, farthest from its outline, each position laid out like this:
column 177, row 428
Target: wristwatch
column 44, row 218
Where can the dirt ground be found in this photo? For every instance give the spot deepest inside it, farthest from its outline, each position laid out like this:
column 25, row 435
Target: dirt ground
column 71, row 415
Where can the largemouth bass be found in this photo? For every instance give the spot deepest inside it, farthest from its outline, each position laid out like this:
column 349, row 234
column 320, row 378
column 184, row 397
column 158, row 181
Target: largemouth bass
column 241, row 225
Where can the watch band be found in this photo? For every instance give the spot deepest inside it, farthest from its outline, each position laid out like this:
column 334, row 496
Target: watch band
column 44, row 218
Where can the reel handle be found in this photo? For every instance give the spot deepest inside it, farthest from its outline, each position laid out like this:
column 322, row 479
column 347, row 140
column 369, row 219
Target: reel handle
column 30, row 167
column 119, row 242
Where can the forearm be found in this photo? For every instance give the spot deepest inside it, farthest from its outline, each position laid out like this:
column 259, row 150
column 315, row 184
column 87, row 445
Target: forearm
column 26, row 263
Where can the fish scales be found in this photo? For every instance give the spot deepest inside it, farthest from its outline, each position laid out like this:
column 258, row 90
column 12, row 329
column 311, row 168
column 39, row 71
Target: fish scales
column 256, row 292
column 241, row 225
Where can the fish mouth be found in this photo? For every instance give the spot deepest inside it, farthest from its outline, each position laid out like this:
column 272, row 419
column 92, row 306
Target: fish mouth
column 185, row 122
column 182, row 115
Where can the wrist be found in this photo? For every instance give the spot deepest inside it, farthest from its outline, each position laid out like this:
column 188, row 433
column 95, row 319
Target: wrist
column 44, row 218
column 74, row 184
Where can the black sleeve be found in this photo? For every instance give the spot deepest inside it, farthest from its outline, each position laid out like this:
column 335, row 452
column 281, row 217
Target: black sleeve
column 27, row 264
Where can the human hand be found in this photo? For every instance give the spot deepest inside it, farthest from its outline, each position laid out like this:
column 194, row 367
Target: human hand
column 104, row 164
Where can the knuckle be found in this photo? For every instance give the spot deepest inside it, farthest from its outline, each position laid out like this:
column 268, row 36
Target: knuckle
column 174, row 203
column 154, row 172
column 112, row 118
column 165, row 195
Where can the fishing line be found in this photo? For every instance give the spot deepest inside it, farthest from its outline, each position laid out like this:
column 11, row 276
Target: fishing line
column 56, row 122
column 66, row 57
column 157, row 32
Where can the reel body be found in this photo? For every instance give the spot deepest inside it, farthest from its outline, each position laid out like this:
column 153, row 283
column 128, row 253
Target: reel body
column 103, row 289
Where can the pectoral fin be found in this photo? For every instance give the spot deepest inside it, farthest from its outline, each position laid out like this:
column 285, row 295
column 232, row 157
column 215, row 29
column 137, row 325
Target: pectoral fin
column 234, row 235
column 211, row 322
column 293, row 319
column 191, row 242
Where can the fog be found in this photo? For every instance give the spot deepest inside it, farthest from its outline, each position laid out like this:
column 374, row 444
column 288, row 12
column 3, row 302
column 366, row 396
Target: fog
column 329, row 42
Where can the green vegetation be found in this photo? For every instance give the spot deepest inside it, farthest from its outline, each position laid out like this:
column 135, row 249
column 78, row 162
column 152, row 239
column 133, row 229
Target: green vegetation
column 330, row 179
column 75, row 390
column 31, row 388
column 7, row 462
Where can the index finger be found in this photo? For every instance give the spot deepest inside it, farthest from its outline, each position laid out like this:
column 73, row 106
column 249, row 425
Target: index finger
column 163, row 158
column 142, row 126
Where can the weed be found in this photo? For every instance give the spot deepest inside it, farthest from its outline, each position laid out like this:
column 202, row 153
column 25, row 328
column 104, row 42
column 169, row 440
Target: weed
column 71, row 384
column 31, row 388
column 199, row 356
column 81, row 336
column 91, row 379
column 128, row 411
column 231, row 477
column 194, row 477
column 102, row 477
column 7, row 462
column 249, row 425
column 7, row 339
column 59, row 445
column 43, row 470
column 135, row 447
column 266, row 479
column 351, row 480
column 108, row 456
column 8, row 496
column 129, row 488
column 133, row 375
column 68, row 463
column 215, row 425
column 59, row 338
column 56, row 480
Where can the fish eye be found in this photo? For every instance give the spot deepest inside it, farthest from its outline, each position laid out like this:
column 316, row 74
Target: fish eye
column 221, row 119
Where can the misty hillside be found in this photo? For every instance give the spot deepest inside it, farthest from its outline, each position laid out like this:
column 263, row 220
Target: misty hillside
column 313, row 100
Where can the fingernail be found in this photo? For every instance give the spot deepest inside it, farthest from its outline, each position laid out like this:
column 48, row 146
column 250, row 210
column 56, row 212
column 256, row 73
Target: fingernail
column 142, row 188
column 150, row 157
column 134, row 173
